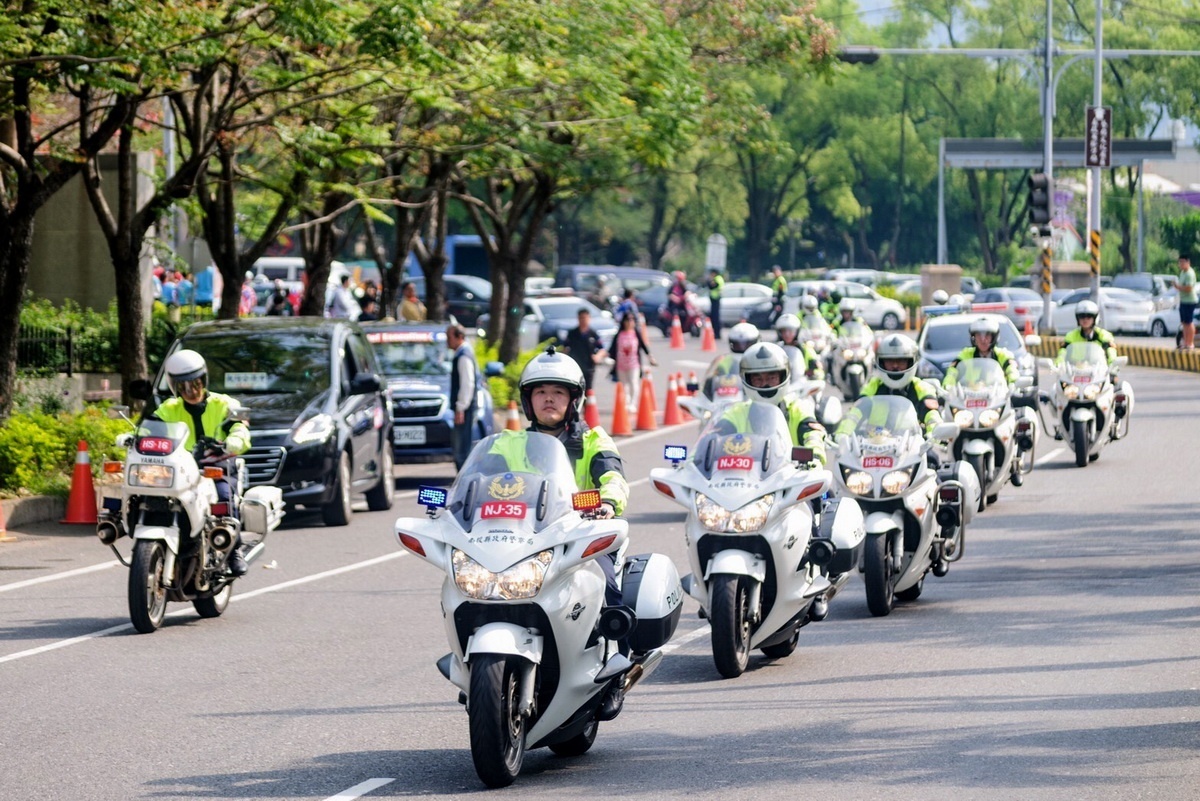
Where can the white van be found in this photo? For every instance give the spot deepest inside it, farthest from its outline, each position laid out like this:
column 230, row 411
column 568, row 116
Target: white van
column 290, row 270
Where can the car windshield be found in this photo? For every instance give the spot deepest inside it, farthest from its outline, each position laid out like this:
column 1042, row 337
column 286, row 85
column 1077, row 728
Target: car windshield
column 521, row 477
column 290, row 362
column 1017, row 293
column 411, row 352
column 956, row 336
column 566, row 309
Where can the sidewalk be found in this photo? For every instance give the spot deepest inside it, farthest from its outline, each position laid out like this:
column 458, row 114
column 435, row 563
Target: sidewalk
column 21, row 512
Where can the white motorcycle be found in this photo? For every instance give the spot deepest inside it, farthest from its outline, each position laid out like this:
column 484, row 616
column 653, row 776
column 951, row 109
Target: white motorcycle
column 916, row 517
column 532, row 647
column 761, row 568
column 166, row 500
column 720, row 387
column 1089, row 410
column 852, row 358
column 997, row 439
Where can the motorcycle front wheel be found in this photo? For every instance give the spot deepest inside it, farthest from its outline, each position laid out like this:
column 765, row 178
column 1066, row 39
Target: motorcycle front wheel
column 978, row 462
column 1080, row 441
column 730, row 619
column 214, row 605
column 147, row 596
column 878, row 575
column 497, row 727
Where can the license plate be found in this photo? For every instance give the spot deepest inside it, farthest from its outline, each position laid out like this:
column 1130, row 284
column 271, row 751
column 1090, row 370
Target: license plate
column 509, row 509
column 735, row 463
column 409, row 435
column 976, row 403
column 877, row 461
column 725, row 392
column 1081, row 378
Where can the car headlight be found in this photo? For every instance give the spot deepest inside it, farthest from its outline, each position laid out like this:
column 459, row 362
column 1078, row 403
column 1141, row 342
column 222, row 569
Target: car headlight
column 151, row 475
column 1070, row 391
column 896, row 481
column 989, row 418
column 964, row 418
column 522, row 580
column 859, row 482
column 748, row 519
column 315, row 429
column 1091, row 391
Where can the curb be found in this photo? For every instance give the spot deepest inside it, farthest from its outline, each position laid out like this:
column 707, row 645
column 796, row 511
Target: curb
column 1139, row 355
column 35, row 509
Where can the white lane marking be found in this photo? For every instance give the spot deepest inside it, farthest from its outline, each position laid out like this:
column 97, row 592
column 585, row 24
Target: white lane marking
column 53, row 646
column 360, row 790
column 679, row 642
column 79, row 571
column 1050, row 455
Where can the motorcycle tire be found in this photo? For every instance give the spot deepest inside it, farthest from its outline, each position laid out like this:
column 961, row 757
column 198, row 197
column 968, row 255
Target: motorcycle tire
column 497, row 727
column 912, row 593
column 978, row 462
column 878, row 575
column 1079, row 439
column 381, row 496
column 216, row 604
column 339, row 511
column 579, row 744
column 730, row 621
column 147, row 595
column 782, row 649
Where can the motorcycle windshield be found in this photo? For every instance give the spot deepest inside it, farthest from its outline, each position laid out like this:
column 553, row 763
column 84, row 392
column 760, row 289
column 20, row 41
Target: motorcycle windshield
column 883, row 419
column 981, row 383
column 155, row 436
column 1084, row 363
column 854, row 334
column 519, row 480
column 746, row 440
column 723, row 382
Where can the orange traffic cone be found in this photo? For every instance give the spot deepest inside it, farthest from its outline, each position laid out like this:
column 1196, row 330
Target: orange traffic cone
column 1028, row 326
column 671, row 412
column 645, row 412
column 684, row 393
column 708, row 342
column 513, row 422
column 591, row 415
column 676, row 334
column 81, row 503
column 620, row 419
column 648, row 386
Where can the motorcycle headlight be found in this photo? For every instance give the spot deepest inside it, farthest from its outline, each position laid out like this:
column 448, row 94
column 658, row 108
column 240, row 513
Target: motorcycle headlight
column 1070, row 391
column 746, row 520
column 1091, row 391
column 859, row 482
column 151, row 475
column 896, row 481
column 848, row 354
column 860, row 354
column 522, row 580
column 989, row 418
column 964, row 418
column 315, row 429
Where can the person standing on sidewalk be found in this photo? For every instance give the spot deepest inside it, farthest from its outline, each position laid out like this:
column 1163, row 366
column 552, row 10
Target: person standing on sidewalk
column 715, row 284
column 462, row 391
column 584, row 346
column 1186, row 284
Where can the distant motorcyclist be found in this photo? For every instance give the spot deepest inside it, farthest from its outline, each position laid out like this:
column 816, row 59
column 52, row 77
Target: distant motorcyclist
column 677, row 296
column 778, row 291
column 983, row 333
column 847, row 313
column 1085, row 315
column 940, row 297
column 207, row 415
column 831, row 306
column 788, row 329
column 895, row 373
column 742, row 336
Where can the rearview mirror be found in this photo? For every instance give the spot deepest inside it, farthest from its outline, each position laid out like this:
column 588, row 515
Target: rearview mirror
column 365, row 384
column 140, row 389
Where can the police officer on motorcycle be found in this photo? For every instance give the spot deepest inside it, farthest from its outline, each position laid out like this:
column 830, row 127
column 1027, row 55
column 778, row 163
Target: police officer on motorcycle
column 847, row 313
column 983, row 332
column 1085, row 315
column 896, row 374
column 208, row 415
column 788, row 329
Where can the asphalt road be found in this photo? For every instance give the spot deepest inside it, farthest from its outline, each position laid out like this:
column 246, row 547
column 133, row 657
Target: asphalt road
column 1058, row 659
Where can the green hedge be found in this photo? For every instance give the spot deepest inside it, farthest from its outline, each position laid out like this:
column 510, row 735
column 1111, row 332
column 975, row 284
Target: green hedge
column 38, row 450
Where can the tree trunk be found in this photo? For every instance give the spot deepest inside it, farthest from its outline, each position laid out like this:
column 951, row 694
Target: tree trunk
column 16, row 250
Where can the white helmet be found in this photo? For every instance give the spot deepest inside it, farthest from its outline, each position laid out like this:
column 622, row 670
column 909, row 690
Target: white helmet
column 765, row 357
column 984, row 325
column 786, row 322
column 957, row 300
column 184, row 366
column 808, row 303
column 940, row 297
column 1086, row 308
column 742, row 336
column 846, row 305
column 896, row 346
column 552, row 367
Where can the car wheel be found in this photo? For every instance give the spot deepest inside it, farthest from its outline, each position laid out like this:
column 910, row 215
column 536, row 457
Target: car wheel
column 1158, row 329
column 891, row 321
column 380, row 497
column 338, row 511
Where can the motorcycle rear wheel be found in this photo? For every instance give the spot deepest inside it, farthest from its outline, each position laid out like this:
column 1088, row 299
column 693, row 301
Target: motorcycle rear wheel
column 147, row 595
column 730, row 621
column 1080, row 440
column 878, row 575
column 216, row 604
column 497, row 727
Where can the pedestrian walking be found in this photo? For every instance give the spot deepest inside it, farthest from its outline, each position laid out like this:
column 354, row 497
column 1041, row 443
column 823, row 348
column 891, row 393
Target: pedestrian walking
column 462, row 391
column 627, row 348
column 584, row 346
column 342, row 304
column 716, row 283
column 205, row 284
column 1186, row 284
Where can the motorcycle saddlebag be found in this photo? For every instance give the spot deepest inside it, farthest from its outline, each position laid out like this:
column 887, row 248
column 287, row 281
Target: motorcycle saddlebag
column 262, row 509
column 650, row 587
column 842, row 524
column 963, row 473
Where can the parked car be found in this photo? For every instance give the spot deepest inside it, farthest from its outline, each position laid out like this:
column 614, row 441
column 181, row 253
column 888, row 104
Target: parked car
column 604, row 284
column 1122, row 311
column 1156, row 287
column 320, row 416
column 741, row 300
column 467, row 296
column 863, row 275
column 876, row 310
column 1165, row 322
column 416, row 362
column 1020, row 305
column 968, row 286
column 943, row 337
column 552, row 316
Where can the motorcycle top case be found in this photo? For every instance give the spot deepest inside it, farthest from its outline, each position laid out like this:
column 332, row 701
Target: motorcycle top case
column 650, row 587
column 842, row 524
column 262, row 509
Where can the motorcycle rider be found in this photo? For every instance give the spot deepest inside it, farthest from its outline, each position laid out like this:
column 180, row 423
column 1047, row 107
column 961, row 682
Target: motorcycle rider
column 1085, row 315
column 677, row 296
column 831, row 306
column 207, row 414
column 983, row 333
column 896, row 374
column 847, row 313
column 742, row 336
column 788, row 329
column 779, row 290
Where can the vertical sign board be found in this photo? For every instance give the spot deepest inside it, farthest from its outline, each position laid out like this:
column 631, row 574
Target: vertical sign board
column 1099, row 136
column 715, row 253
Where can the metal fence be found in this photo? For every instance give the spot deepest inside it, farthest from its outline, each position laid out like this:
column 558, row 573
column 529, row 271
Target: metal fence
column 46, row 349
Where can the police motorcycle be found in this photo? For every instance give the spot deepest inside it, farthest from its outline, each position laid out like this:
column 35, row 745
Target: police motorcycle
column 816, row 331
column 852, row 358
column 164, row 497
column 996, row 438
column 915, row 514
column 764, row 563
column 720, row 387
column 1090, row 410
column 533, row 649
column 827, row 407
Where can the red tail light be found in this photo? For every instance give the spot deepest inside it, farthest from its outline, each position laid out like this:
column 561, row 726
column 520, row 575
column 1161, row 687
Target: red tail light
column 220, row 509
column 1022, row 310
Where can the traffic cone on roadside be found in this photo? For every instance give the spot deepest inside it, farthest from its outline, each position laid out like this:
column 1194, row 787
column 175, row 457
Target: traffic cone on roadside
column 671, row 413
column 1028, row 326
column 708, row 342
column 81, row 503
column 591, row 415
column 513, row 421
column 683, row 393
column 620, row 418
column 648, row 381
column 676, row 334
column 645, row 411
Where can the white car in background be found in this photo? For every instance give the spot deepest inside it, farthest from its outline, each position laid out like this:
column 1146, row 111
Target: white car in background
column 876, row 310
column 1122, row 311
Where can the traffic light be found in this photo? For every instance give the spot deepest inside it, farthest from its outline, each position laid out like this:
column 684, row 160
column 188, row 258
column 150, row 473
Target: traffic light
column 1040, row 210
